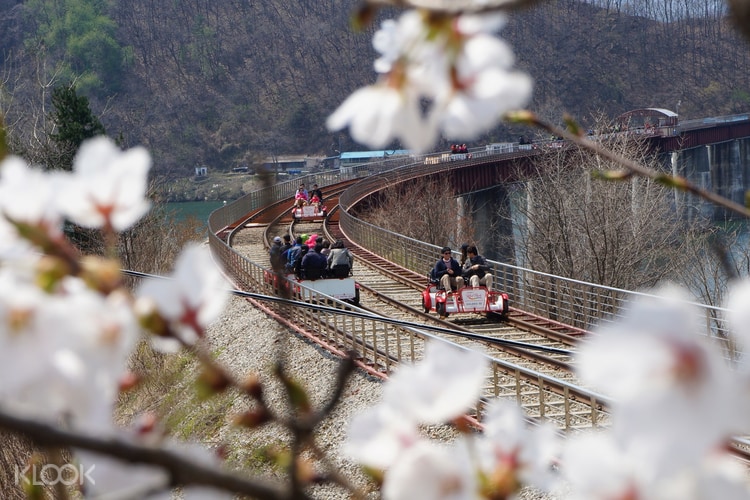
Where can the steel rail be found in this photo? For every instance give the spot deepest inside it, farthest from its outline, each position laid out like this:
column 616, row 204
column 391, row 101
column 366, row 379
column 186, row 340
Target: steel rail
column 376, row 347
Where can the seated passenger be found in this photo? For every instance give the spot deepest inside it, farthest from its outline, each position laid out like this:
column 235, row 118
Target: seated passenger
column 292, row 255
column 313, row 264
column 340, row 260
column 315, row 191
column 274, row 253
column 476, row 269
column 448, row 271
column 315, row 201
column 300, row 197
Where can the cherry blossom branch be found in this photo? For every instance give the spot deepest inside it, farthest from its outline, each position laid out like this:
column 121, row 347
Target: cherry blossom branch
column 183, row 472
column 630, row 166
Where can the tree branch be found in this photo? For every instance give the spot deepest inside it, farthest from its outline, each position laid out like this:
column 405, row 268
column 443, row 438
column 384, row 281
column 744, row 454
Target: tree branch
column 183, row 472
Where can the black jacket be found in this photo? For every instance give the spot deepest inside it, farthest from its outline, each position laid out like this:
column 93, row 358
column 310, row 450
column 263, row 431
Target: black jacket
column 441, row 269
column 468, row 272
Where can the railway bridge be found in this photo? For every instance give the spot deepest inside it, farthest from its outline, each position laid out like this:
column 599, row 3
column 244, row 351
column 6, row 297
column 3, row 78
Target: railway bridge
column 380, row 343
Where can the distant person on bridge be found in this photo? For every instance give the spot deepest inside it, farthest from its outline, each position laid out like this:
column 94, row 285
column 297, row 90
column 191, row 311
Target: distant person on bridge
column 340, row 260
column 447, row 271
column 313, row 264
column 476, row 269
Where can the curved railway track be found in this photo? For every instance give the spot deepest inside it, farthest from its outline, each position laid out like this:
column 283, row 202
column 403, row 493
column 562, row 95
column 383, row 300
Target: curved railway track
column 394, row 292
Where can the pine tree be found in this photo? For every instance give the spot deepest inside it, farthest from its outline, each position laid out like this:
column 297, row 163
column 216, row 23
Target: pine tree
column 74, row 123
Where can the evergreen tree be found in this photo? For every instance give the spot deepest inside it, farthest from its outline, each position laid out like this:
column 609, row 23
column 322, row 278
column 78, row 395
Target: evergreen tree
column 74, row 123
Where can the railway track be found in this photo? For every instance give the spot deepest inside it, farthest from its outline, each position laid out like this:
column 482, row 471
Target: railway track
column 395, row 293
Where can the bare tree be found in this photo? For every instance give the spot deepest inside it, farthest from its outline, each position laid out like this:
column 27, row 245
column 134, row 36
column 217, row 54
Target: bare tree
column 424, row 209
column 622, row 234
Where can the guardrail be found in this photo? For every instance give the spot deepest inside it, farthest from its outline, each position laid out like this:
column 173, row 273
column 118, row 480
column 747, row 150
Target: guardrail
column 381, row 346
column 575, row 303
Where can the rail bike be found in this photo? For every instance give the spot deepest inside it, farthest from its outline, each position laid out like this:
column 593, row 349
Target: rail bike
column 309, row 212
column 467, row 299
column 344, row 289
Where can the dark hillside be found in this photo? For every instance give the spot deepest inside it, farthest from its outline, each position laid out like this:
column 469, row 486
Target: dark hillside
column 226, row 82
column 585, row 58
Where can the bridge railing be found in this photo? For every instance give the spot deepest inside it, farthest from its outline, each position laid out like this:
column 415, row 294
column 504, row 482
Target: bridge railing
column 572, row 302
column 382, row 346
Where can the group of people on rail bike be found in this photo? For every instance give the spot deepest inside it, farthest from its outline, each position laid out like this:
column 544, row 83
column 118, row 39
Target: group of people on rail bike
column 311, row 257
column 314, row 197
column 452, row 275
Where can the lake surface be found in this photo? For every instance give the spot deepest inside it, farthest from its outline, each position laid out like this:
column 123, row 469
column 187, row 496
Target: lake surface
column 198, row 209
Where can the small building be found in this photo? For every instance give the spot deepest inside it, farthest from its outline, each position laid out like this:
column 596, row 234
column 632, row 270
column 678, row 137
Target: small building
column 647, row 117
column 292, row 164
column 350, row 159
column 201, row 171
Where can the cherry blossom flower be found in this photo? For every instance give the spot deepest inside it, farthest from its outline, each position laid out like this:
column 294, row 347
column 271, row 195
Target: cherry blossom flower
column 594, row 467
column 378, row 114
column 512, row 454
column 738, row 316
column 108, row 187
column 440, row 388
column 30, row 196
column 482, row 89
column 66, row 351
column 667, row 382
column 439, row 74
column 190, row 301
column 427, row 470
column 378, row 436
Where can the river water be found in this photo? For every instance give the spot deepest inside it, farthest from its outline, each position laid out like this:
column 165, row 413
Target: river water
column 198, row 209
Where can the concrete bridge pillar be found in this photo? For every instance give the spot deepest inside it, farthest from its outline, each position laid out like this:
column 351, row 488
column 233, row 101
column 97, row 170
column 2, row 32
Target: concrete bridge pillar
column 492, row 233
column 723, row 168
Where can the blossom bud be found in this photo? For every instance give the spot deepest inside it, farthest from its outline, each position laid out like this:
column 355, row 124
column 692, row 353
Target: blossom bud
column 252, row 386
column 306, row 472
column 211, row 381
column 128, row 381
column 149, row 318
column 252, row 418
column 50, row 271
column 572, row 125
column 611, row 175
column 521, row 116
column 101, row 274
column 363, row 17
column 503, row 482
column 463, row 425
column 672, row 181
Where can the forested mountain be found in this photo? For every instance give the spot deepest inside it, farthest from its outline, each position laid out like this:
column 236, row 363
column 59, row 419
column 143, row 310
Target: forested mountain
column 225, row 82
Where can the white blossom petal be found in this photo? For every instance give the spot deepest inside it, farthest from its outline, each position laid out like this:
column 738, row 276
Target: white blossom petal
column 442, row 387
